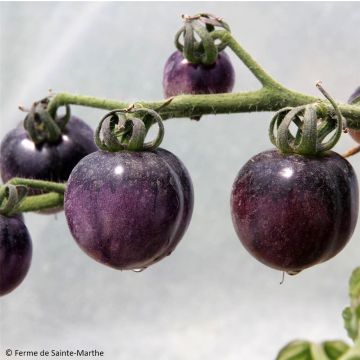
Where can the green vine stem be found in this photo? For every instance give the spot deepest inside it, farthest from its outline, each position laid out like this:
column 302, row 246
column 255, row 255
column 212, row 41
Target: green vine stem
column 42, row 202
column 265, row 79
column 40, row 184
column 53, row 199
column 273, row 96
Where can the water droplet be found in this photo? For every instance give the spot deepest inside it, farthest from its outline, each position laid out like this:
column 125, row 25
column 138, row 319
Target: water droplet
column 139, row 270
column 293, row 272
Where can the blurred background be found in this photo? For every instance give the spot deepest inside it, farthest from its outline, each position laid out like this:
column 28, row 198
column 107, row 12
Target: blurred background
column 209, row 299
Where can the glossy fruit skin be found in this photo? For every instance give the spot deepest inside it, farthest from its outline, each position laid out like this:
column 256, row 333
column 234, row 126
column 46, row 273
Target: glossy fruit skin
column 291, row 211
column 15, row 252
column 355, row 134
column 182, row 77
column 128, row 209
column 20, row 157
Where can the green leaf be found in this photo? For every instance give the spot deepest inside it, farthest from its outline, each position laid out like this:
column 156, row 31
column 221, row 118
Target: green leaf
column 296, row 350
column 335, row 349
column 350, row 323
column 354, row 285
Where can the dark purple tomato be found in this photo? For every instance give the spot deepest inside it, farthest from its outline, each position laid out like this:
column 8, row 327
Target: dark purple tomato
column 15, row 252
column 20, row 157
column 182, row 77
column 291, row 211
column 128, row 209
column 355, row 134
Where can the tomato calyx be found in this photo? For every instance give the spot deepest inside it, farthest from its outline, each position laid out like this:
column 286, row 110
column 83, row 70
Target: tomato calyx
column 318, row 129
column 126, row 129
column 11, row 197
column 199, row 38
column 41, row 126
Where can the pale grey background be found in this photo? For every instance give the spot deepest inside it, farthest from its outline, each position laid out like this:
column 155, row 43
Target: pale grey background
column 210, row 299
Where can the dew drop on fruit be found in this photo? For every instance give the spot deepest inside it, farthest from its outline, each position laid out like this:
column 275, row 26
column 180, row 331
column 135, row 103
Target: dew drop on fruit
column 139, row 270
column 293, row 273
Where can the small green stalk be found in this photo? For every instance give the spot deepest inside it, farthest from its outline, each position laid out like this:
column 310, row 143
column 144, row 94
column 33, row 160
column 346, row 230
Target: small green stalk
column 265, row 79
column 39, row 184
column 353, row 353
column 53, row 199
column 42, row 202
column 317, row 352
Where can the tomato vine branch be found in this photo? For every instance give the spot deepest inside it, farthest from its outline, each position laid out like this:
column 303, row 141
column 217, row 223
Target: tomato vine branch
column 42, row 202
column 265, row 79
column 351, row 151
column 53, row 199
column 39, row 184
column 272, row 96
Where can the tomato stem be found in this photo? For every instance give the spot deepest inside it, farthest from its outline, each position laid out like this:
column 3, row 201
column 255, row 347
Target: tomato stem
column 265, row 79
column 273, row 96
column 39, row 184
column 47, row 201
column 53, row 199
column 351, row 152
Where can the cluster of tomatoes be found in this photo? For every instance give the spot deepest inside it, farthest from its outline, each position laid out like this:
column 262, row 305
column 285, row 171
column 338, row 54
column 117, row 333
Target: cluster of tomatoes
column 130, row 209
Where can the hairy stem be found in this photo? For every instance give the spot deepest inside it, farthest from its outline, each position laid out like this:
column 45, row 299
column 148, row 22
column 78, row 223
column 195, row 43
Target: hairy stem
column 53, row 199
column 265, row 99
column 42, row 202
column 265, row 79
column 271, row 97
column 39, row 184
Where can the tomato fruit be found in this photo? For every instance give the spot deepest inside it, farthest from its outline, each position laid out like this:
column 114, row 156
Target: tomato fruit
column 15, row 252
column 355, row 134
column 293, row 211
column 129, row 209
column 20, row 157
column 183, row 77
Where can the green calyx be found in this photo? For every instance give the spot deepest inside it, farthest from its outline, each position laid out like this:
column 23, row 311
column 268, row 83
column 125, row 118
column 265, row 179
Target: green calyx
column 317, row 128
column 43, row 126
column 126, row 129
column 11, row 197
column 199, row 46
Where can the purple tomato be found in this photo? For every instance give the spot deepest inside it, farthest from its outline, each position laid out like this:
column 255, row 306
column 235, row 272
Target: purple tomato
column 291, row 211
column 182, row 77
column 129, row 209
column 20, row 157
column 15, row 252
